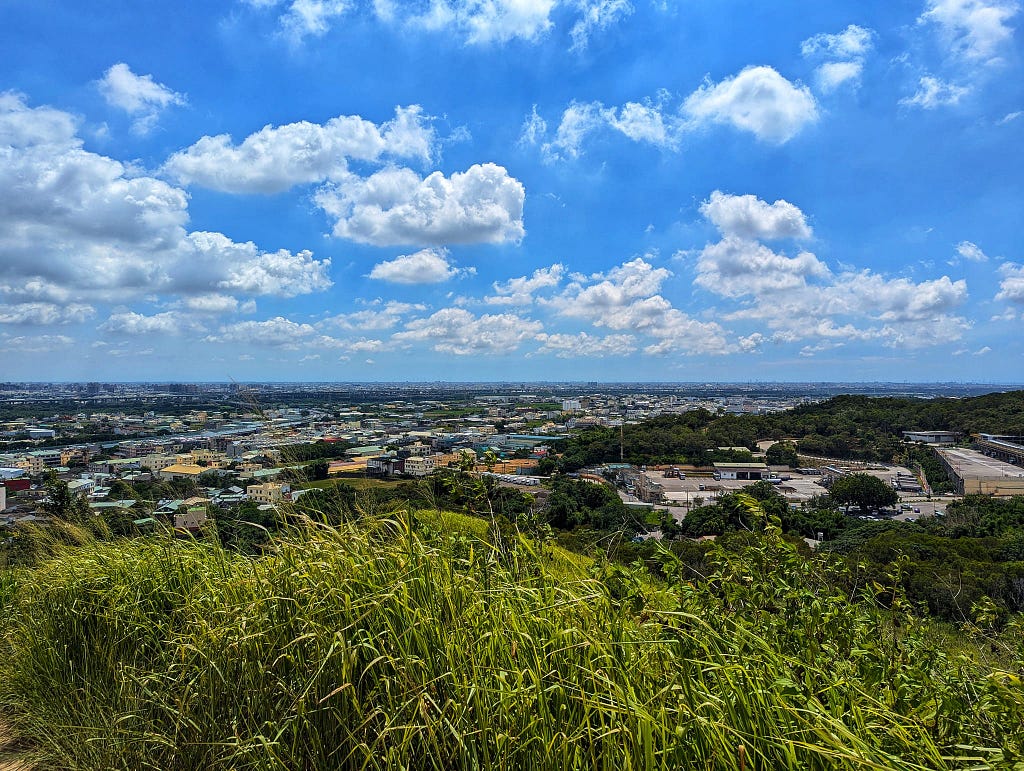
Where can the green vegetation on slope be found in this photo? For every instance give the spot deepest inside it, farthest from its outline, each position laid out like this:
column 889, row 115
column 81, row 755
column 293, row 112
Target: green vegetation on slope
column 868, row 428
column 416, row 643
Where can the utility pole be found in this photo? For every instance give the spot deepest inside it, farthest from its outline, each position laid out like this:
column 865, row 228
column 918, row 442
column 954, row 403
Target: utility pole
column 622, row 441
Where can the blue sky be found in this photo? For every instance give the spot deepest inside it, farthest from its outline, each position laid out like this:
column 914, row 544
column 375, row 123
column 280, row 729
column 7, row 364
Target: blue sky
column 512, row 189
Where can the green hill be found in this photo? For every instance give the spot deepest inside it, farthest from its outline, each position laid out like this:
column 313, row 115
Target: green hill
column 416, row 643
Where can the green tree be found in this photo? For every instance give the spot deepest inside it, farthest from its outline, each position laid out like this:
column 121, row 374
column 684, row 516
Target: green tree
column 782, row 454
column 61, row 503
column 864, row 491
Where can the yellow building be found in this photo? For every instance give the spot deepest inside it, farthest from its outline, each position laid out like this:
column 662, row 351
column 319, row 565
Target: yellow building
column 181, row 471
column 269, row 492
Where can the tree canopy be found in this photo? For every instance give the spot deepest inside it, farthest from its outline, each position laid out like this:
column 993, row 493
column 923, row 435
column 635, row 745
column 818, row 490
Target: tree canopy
column 864, row 491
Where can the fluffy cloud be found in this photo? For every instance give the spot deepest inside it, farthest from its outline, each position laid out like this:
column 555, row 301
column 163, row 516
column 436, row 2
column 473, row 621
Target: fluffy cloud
column 800, row 298
column 217, row 304
column 395, row 206
column 735, row 267
column 45, row 314
column 643, row 123
column 758, row 100
column 77, row 225
column 583, row 345
column 646, row 122
column 843, row 54
column 138, row 95
column 1011, row 287
column 459, row 332
column 747, row 216
column 578, row 120
column 388, row 317
column 520, row 291
column 312, row 17
column 276, row 158
column 22, row 344
column 852, row 43
column 971, row 251
column 251, row 271
column 427, row 266
column 277, row 332
column 305, row 18
column 626, row 300
column 977, row 30
column 481, row 21
column 932, row 93
column 167, row 323
column 896, row 299
column 476, row 22
column 622, row 286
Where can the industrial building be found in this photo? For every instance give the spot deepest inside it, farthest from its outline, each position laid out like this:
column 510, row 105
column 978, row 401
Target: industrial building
column 930, row 437
column 741, row 471
column 1008, row 448
column 974, row 472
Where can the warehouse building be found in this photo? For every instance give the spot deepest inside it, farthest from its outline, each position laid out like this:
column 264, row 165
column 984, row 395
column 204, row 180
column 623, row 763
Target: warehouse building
column 974, row 472
column 746, row 471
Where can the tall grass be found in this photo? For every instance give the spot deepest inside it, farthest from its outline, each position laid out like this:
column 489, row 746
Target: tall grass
column 384, row 646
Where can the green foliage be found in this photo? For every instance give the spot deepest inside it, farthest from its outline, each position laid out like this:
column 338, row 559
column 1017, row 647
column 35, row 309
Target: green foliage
column 245, row 528
column 320, row 450
column 60, row 503
column 383, row 646
column 865, row 491
column 934, row 471
column 574, row 503
column 854, row 427
column 731, row 512
column 782, row 454
column 982, row 515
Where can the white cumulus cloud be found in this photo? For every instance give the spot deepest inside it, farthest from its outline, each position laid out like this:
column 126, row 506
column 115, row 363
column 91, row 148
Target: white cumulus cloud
column 735, row 267
column 800, row 298
column 747, row 216
column 167, row 323
column 626, row 299
column 977, row 30
column 1011, row 286
column 45, row 313
column 381, row 315
column 138, row 95
column 971, row 251
column 566, row 346
column 758, row 100
column 278, row 332
column 427, row 266
column 459, row 332
column 933, row 93
column 395, row 206
column 842, row 55
column 22, row 344
column 483, row 21
column 76, row 225
column 520, row 291
column 276, row 158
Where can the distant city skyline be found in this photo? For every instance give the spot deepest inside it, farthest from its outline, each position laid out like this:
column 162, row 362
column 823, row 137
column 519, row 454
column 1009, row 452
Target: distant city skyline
column 527, row 191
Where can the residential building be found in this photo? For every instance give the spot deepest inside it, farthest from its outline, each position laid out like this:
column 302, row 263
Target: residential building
column 268, row 492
